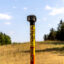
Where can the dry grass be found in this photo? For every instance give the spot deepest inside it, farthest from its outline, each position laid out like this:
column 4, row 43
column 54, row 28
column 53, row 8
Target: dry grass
column 20, row 53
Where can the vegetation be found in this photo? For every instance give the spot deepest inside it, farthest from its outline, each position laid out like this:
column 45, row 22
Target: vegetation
column 56, row 35
column 4, row 39
column 44, row 53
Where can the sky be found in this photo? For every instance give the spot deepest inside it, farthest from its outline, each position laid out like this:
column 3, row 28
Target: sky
column 13, row 17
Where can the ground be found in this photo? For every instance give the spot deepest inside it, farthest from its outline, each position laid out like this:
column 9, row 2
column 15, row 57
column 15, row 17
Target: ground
column 46, row 53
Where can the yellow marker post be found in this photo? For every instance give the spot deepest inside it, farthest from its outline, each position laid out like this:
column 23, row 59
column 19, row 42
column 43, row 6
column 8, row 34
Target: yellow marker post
column 32, row 19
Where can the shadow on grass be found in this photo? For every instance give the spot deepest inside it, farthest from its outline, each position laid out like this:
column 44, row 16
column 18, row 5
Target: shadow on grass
column 53, row 42
column 47, row 50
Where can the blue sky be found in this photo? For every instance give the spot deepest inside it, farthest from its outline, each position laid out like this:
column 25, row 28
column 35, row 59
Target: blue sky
column 13, row 17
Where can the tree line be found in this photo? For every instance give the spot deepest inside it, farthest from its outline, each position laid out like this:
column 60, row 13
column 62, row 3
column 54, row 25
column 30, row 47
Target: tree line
column 4, row 39
column 56, row 34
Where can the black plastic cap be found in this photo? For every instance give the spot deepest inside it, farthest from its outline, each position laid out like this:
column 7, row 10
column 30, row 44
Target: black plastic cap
column 31, row 18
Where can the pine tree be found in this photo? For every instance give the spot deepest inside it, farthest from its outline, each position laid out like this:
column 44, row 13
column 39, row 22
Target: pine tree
column 4, row 39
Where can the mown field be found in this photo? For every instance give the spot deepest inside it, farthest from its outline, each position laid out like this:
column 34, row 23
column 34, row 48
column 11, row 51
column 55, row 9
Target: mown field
column 49, row 52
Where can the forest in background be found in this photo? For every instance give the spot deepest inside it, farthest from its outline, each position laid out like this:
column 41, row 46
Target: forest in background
column 4, row 39
column 56, row 34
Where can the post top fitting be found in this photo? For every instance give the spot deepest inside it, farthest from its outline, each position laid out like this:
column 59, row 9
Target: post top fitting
column 31, row 18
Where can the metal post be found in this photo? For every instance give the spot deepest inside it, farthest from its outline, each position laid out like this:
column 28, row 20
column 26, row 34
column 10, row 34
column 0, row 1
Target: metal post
column 32, row 19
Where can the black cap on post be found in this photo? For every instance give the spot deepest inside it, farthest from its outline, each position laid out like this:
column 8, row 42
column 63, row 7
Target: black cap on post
column 31, row 19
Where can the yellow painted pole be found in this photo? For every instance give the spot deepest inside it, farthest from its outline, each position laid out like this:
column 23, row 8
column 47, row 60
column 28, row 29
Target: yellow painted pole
column 32, row 44
column 32, row 20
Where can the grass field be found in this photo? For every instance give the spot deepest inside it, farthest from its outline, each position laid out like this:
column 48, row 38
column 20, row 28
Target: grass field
column 49, row 52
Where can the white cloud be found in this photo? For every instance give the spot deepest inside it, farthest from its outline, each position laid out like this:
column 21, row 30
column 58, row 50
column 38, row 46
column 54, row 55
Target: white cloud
column 14, row 7
column 7, row 23
column 55, row 11
column 48, row 7
column 63, row 0
column 25, row 8
column 4, row 16
column 49, row 26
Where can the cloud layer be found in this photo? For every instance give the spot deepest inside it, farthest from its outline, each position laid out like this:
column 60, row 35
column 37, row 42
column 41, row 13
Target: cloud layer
column 25, row 8
column 14, row 7
column 55, row 11
column 7, row 23
column 4, row 16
